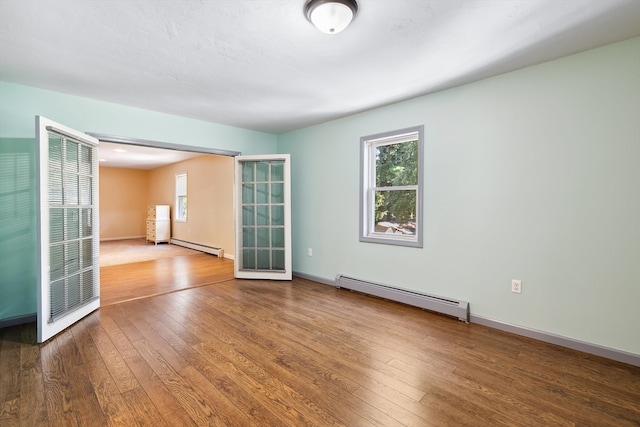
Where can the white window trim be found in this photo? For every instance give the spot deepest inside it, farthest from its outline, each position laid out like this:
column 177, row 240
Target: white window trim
column 367, row 187
column 178, row 218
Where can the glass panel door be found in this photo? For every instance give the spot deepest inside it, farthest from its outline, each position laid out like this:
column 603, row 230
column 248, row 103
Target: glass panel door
column 263, row 235
column 69, row 279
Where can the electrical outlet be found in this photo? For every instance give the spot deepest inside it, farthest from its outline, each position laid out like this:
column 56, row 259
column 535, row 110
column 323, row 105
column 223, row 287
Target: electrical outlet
column 516, row 286
column 309, row 252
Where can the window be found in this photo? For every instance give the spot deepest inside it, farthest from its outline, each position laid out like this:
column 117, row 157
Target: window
column 181, row 197
column 391, row 187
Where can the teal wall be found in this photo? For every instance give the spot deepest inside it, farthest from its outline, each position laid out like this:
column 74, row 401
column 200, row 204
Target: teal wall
column 18, row 107
column 20, row 104
column 531, row 175
column 18, row 265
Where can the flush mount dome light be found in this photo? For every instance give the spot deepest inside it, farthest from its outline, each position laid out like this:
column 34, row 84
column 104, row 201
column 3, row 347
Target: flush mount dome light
column 330, row 16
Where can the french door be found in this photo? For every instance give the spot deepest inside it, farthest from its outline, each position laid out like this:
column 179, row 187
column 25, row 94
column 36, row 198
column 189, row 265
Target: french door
column 263, row 217
column 67, row 191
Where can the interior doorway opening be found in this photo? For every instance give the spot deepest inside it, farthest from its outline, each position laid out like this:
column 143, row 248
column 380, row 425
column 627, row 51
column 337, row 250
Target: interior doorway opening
column 135, row 174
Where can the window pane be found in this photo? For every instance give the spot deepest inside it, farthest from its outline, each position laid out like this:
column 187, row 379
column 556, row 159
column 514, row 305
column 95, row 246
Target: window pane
column 248, row 215
column 277, row 215
column 247, row 193
column 277, row 237
column 85, row 160
column 264, row 262
column 181, row 184
column 278, row 260
column 56, row 225
column 277, row 171
column 55, row 151
column 262, row 195
column 72, row 156
column 56, row 262
column 277, row 193
column 89, row 288
column 87, row 253
column 85, row 190
column 87, row 230
column 249, row 259
column 182, row 207
column 71, row 185
column 55, row 184
column 73, row 256
column 395, row 212
column 73, row 291
column 57, row 299
column 263, row 215
column 263, row 237
column 73, row 223
column 262, row 171
column 397, row 164
column 247, row 172
column 248, row 237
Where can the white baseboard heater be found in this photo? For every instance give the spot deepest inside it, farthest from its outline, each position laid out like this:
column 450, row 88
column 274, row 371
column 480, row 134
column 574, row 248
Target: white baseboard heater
column 198, row 247
column 459, row 309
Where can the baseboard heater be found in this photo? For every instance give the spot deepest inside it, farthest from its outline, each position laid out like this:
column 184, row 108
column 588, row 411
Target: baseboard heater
column 198, row 247
column 450, row 307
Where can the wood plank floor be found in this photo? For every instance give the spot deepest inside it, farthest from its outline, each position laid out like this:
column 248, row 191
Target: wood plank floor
column 260, row 353
column 126, row 282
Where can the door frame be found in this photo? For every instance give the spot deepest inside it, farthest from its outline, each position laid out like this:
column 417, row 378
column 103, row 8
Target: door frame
column 45, row 328
column 237, row 202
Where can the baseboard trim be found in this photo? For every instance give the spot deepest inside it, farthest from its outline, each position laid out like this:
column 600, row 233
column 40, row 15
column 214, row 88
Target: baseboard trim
column 107, row 239
column 219, row 252
column 18, row 320
column 585, row 347
column 313, row 278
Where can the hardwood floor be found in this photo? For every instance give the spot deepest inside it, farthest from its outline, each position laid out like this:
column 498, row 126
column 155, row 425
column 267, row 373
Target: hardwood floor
column 134, row 268
column 126, row 282
column 259, row 353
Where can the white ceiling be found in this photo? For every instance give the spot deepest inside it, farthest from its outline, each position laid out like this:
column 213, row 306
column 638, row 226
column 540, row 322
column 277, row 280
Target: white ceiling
column 261, row 65
column 139, row 157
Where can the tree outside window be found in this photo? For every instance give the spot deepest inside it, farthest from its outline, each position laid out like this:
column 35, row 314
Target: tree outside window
column 392, row 187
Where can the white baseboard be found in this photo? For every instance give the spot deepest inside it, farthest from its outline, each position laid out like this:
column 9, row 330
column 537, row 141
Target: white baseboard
column 219, row 252
column 106, row 239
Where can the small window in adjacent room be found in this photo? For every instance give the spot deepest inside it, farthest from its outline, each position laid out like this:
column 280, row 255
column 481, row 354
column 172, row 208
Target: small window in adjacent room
column 391, row 187
column 181, row 197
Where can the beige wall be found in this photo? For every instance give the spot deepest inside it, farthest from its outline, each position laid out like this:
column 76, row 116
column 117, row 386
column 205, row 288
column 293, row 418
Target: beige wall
column 123, row 202
column 209, row 199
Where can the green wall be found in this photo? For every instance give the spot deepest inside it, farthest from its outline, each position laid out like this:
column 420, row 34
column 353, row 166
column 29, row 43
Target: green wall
column 531, row 175
column 20, row 104
column 17, row 228
column 18, row 107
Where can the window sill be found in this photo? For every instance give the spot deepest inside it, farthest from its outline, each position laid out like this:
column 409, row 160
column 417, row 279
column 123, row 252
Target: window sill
column 391, row 241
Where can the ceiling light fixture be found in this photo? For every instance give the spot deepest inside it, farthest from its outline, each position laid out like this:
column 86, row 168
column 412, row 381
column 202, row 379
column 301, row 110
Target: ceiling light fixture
column 330, row 16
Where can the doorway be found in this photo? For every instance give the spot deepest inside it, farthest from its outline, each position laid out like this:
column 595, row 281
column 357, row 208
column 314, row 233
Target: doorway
column 136, row 176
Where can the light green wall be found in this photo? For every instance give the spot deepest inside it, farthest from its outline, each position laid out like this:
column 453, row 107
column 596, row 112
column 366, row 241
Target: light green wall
column 17, row 228
column 531, row 175
column 20, row 104
column 18, row 107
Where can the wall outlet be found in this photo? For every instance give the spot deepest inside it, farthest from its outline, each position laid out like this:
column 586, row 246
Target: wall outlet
column 516, row 286
column 309, row 252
